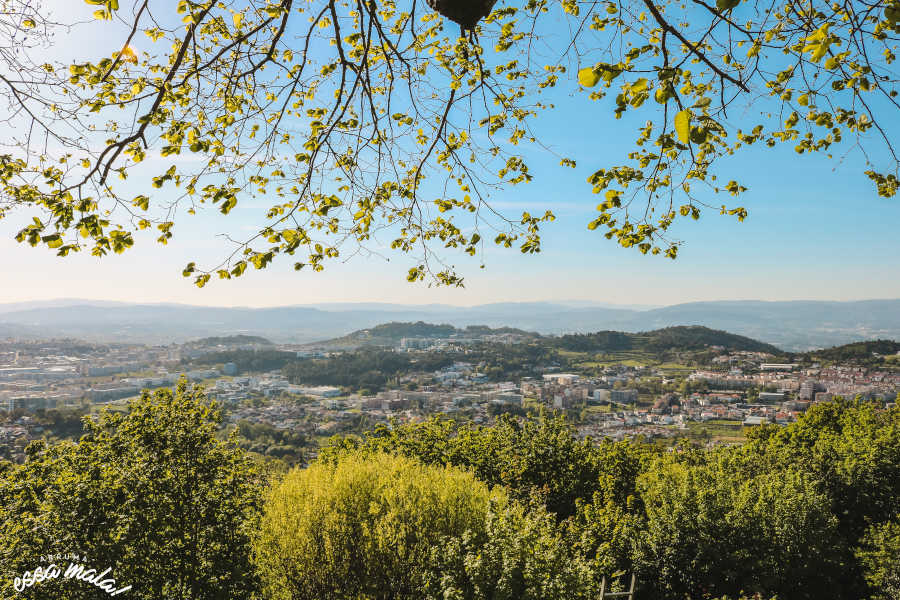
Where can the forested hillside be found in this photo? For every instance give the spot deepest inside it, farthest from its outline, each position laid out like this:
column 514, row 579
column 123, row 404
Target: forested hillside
column 390, row 334
column 864, row 353
column 662, row 340
column 246, row 360
column 231, row 340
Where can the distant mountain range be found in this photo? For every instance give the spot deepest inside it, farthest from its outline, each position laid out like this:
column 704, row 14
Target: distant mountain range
column 795, row 326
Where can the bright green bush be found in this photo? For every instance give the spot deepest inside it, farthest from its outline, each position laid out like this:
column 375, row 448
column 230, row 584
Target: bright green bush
column 521, row 555
column 151, row 494
column 880, row 556
column 364, row 526
column 527, row 457
column 852, row 449
column 712, row 528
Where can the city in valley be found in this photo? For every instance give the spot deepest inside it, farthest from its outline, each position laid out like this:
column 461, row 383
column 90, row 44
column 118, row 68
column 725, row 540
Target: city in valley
column 284, row 400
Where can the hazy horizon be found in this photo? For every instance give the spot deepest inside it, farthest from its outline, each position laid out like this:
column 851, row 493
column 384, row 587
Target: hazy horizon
column 570, row 302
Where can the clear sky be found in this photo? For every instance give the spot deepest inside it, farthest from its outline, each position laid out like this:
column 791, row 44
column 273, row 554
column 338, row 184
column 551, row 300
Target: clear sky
column 816, row 230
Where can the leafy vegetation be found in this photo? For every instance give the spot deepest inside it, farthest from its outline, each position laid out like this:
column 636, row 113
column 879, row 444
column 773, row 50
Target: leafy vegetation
column 255, row 361
column 660, row 341
column 664, row 347
column 511, row 361
column 61, row 422
column 390, row 334
column 879, row 554
column 533, row 458
column 374, row 369
column 783, row 514
column 264, row 439
column 436, row 510
column 364, row 369
column 520, row 555
column 151, row 494
column 342, row 154
column 363, row 527
column 418, row 329
column 231, row 340
column 868, row 354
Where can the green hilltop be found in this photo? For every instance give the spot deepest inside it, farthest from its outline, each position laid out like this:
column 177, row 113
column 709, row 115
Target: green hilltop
column 231, row 340
column 662, row 340
column 690, row 338
column 869, row 353
column 390, row 334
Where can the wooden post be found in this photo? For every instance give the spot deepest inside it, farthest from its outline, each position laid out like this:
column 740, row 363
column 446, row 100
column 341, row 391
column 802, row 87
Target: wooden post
column 630, row 593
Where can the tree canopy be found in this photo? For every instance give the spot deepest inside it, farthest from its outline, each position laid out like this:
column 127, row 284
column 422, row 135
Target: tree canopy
column 517, row 509
column 375, row 124
column 151, row 494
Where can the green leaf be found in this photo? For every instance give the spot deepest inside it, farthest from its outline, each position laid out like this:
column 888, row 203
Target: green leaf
column 698, row 135
column 892, row 13
column 683, row 125
column 52, row 240
column 663, row 94
column 587, row 77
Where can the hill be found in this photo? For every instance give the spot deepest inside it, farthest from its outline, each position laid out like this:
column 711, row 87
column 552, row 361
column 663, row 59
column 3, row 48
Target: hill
column 688, row 338
column 232, row 340
column 662, row 340
column 858, row 352
column 390, row 334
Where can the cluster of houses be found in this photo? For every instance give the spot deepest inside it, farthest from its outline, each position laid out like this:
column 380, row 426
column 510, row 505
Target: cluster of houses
column 741, row 388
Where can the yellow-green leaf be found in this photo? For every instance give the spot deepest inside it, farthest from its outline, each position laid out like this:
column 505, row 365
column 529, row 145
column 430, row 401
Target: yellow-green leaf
column 683, row 125
column 587, row 77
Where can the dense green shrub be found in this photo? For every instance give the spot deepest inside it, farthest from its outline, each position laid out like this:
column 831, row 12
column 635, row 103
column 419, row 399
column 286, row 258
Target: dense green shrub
column 852, row 450
column 879, row 553
column 528, row 457
column 804, row 511
column 151, row 494
column 364, row 526
column 711, row 528
column 521, row 555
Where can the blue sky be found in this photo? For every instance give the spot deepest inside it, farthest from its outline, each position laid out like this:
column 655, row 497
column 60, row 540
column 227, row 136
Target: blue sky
column 816, row 230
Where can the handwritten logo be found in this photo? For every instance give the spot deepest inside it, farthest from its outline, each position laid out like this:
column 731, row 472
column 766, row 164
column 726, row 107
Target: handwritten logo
column 76, row 571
